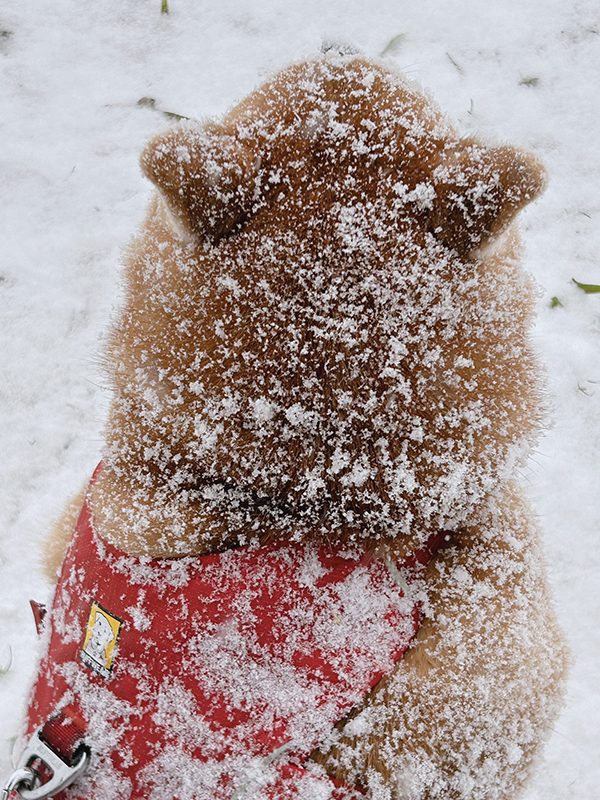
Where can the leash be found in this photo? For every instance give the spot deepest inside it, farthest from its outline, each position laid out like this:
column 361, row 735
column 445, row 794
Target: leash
column 55, row 756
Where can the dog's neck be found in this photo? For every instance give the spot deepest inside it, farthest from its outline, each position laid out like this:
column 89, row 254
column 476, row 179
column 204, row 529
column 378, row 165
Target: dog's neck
column 150, row 521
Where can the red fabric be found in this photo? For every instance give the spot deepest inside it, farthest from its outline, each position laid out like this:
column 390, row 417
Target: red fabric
column 64, row 732
column 215, row 662
column 39, row 614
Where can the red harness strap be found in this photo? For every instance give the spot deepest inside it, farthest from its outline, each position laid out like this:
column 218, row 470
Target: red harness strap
column 213, row 678
column 64, row 733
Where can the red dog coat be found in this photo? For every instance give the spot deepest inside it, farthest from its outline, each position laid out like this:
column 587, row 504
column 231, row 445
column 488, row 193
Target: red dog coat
column 214, row 677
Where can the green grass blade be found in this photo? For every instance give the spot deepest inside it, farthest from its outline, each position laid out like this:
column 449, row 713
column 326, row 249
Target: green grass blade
column 588, row 288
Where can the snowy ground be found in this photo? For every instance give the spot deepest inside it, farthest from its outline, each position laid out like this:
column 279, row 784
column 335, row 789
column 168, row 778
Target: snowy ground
column 71, row 127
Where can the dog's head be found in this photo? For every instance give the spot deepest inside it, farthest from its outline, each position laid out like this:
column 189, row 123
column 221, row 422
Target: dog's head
column 321, row 336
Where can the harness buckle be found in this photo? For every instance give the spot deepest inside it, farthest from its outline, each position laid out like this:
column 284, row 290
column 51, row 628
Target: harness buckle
column 27, row 779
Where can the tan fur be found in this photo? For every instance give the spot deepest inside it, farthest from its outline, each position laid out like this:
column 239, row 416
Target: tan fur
column 329, row 278
column 215, row 191
column 55, row 546
column 426, row 739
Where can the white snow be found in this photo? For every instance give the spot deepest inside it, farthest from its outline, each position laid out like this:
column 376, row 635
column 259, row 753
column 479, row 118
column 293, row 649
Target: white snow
column 72, row 127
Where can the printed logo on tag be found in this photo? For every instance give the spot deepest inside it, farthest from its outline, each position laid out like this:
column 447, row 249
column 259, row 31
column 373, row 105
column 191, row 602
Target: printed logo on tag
column 101, row 634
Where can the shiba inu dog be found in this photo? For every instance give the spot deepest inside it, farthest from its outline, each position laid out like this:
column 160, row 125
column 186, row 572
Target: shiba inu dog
column 323, row 387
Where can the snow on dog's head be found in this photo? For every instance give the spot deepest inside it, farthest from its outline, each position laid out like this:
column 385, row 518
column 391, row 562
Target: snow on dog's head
column 325, row 328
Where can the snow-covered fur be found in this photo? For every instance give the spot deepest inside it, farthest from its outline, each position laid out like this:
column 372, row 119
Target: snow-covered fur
column 325, row 336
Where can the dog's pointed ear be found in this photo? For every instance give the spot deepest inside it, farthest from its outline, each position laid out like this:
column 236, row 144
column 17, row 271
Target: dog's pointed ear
column 479, row 190
column 205, row 176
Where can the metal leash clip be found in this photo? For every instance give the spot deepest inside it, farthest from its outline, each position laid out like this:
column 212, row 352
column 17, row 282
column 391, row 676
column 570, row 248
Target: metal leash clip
column 27, row 781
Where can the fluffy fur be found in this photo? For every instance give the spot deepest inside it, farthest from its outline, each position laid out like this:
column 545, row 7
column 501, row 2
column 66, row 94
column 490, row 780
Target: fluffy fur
column 325, row 336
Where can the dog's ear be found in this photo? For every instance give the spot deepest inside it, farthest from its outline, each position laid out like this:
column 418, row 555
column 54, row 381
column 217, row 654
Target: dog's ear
column 206, row 177
column 479, row 190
